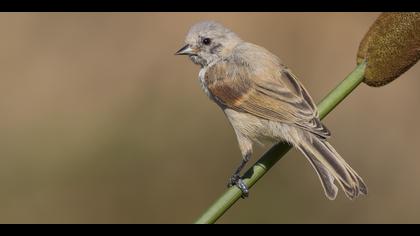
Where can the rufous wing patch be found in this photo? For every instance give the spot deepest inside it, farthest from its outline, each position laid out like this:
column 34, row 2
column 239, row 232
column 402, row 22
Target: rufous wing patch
column 268, row 94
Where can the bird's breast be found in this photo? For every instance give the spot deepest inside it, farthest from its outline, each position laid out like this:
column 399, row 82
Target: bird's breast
column 203, row 83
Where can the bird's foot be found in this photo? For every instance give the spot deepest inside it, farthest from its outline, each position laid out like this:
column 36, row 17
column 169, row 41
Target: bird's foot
column 238, row 181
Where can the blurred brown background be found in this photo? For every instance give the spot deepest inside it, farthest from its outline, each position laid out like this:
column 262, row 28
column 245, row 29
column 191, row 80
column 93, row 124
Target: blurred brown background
column 101, row 123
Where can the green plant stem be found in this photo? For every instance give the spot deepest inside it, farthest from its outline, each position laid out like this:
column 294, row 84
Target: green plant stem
column 260, row 168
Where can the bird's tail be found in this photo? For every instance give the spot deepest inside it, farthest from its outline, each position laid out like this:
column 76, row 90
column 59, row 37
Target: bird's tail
column 329, row 165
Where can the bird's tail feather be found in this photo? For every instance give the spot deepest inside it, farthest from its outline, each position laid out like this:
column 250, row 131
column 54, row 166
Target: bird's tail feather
column 329, row 165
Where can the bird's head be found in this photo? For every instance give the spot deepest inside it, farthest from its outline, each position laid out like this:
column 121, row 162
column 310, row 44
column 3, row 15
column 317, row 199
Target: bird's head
column 207, row 42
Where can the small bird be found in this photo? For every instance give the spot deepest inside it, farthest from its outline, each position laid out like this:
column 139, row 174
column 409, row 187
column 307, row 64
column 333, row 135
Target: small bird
column 265, row 103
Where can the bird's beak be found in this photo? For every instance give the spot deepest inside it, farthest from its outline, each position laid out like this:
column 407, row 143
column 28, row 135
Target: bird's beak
column 186, row 50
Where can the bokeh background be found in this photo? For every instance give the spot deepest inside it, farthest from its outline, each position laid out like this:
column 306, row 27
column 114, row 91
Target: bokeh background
column 101, row 123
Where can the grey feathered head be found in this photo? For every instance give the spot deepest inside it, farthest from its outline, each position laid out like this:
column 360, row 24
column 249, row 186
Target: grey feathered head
column 208, row 41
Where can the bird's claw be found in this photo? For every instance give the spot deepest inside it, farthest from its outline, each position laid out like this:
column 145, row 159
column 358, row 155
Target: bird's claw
column 238, row 182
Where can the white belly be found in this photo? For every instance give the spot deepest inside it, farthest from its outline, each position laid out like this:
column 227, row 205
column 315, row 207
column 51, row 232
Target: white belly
column 260, row 130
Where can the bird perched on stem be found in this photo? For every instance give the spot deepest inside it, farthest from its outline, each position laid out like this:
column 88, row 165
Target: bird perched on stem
column 265, row 102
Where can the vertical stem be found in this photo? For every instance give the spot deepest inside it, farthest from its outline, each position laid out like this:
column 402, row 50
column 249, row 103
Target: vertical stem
column 260, row 168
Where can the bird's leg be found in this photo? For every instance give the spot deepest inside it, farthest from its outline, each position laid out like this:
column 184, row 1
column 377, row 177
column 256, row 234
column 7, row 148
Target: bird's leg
column 236, row 179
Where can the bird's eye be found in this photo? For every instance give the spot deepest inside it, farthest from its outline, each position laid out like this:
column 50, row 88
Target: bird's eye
column 206, row 41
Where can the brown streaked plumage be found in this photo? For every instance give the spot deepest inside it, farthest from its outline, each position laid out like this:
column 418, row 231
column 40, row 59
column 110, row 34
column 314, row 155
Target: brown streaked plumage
column 280, row 98
column 264, row 101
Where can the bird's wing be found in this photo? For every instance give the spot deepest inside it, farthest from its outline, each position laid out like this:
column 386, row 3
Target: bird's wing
column 273, row 93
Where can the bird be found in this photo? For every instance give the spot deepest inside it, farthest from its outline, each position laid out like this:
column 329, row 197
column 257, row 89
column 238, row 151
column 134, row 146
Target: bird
column 265, row 103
